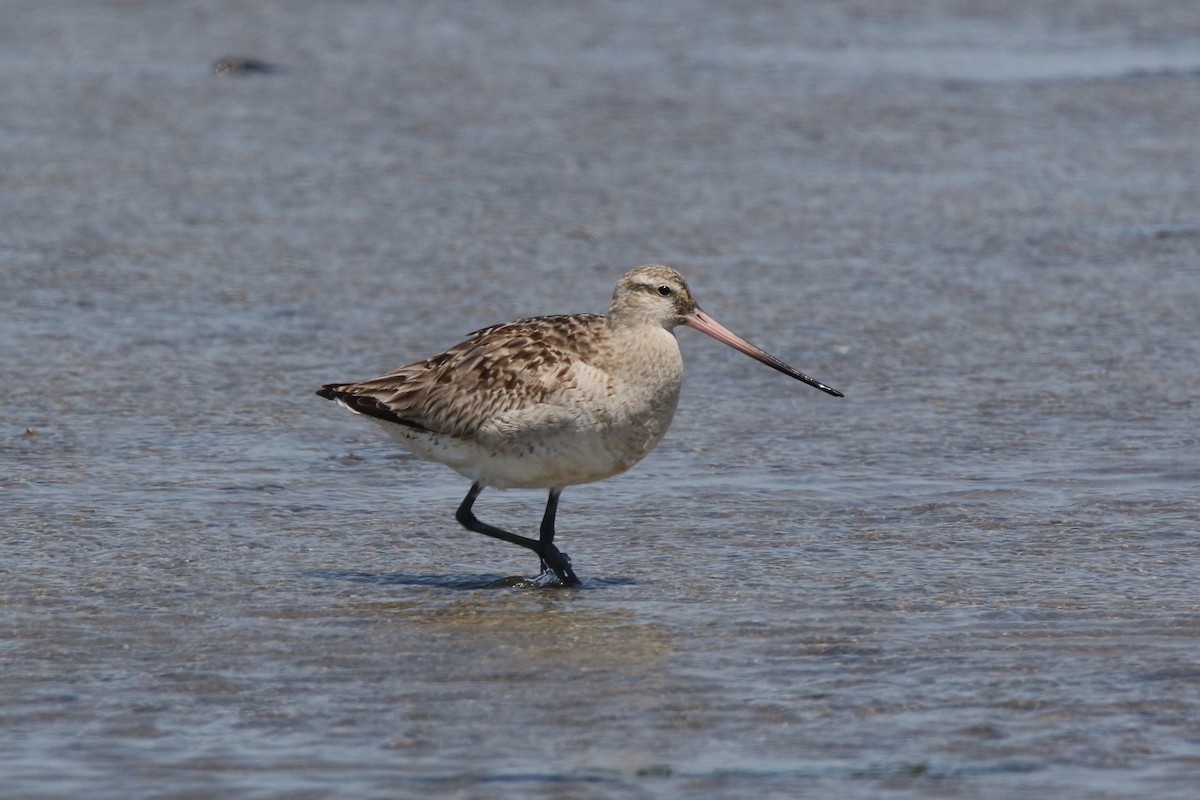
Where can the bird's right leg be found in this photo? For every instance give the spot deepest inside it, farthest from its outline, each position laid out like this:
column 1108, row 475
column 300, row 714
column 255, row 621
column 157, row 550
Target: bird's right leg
column 468, row 520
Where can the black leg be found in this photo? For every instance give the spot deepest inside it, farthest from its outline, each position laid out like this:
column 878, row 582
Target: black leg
column 551, row 557
column 468, row 520
column 544, row 546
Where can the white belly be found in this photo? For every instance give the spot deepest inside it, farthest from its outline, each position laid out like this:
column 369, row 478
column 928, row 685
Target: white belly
column 542, row 456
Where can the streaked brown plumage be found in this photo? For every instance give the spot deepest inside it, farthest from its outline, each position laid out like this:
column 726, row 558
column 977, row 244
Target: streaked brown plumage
column 495, row 370
column 549, row 402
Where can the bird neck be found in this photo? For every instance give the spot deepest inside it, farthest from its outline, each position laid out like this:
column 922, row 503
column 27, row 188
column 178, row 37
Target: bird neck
column 644, row 352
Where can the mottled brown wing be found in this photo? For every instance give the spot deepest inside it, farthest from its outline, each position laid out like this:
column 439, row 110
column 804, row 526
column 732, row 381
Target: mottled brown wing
column 500, row 368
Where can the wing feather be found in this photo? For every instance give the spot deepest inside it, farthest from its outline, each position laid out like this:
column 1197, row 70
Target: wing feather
column 479, row 382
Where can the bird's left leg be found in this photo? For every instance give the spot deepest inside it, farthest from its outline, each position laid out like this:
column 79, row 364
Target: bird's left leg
column 552, row 558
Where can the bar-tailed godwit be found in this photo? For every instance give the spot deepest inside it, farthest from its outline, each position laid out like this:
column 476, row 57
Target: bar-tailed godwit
column 549, row 402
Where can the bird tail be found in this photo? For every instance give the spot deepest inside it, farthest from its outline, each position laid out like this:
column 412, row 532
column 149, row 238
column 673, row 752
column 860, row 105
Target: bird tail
column 344, row 395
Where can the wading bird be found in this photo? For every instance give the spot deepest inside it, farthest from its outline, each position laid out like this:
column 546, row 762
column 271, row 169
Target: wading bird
column 549, row 402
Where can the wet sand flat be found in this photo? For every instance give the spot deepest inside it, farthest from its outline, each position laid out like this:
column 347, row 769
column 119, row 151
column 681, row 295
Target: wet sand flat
column 975, row 576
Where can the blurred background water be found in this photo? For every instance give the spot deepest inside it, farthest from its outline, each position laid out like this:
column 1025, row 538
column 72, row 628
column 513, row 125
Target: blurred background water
column 973, row 577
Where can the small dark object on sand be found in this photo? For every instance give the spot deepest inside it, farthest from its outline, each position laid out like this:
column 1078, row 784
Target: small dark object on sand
column 239, row 65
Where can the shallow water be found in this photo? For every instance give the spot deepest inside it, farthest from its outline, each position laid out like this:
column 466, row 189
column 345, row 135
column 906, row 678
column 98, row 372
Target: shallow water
column 973, row 577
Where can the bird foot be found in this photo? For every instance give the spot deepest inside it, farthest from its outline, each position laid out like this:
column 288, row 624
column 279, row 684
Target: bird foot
column 546, row 580
column 556, row 568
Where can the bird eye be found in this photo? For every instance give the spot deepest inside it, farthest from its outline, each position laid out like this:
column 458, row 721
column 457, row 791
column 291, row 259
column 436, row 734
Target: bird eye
column 665, row 291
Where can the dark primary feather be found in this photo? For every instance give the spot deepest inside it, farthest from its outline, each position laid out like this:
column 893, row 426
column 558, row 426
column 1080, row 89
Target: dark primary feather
column 365, row 404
